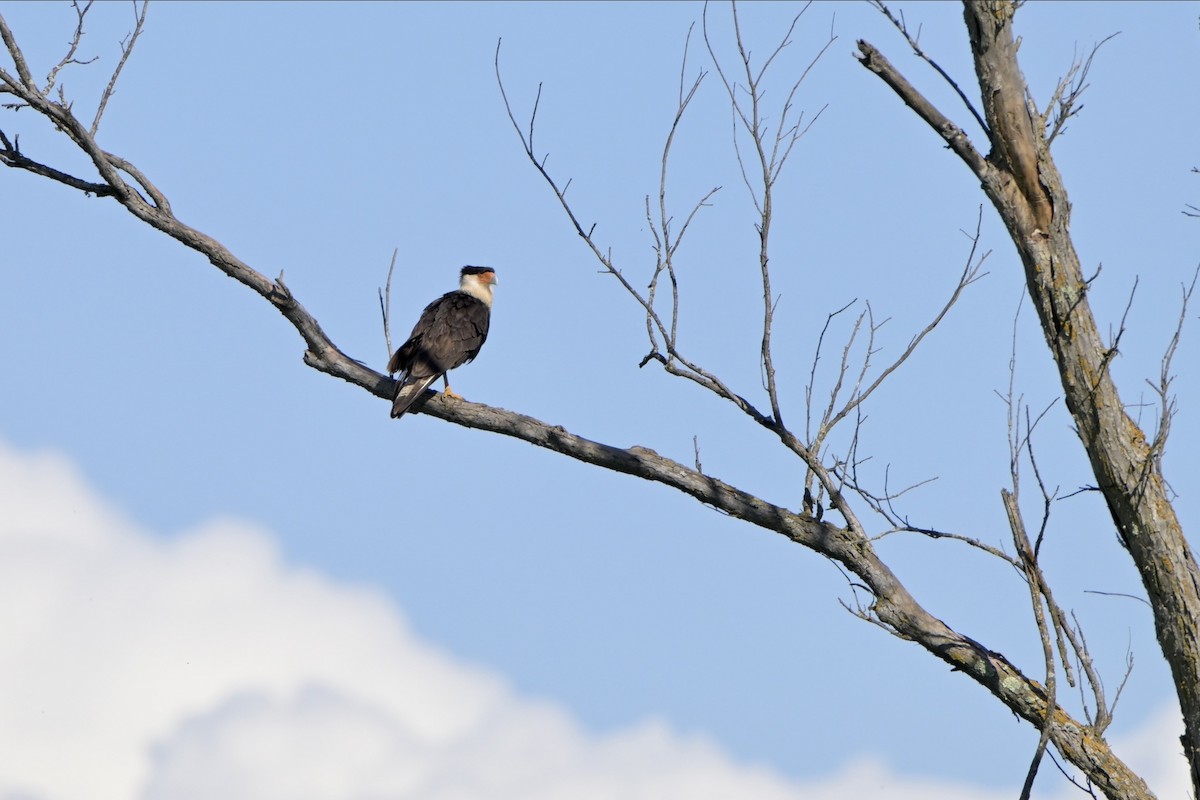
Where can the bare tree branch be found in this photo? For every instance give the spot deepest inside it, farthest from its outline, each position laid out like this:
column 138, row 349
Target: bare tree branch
column 685, row 367
column 1034, row 577
column 1163, row 389
column 69, row 58
column 812, row 374
column 126, row 49
column 915, row 44
column 969, row 275
column 385, row 305
column 1064, row 103
column 10, row 44
column 770, row 161
column 667, row 244
column 11, row 156
column 870, row 57
column 834, row 414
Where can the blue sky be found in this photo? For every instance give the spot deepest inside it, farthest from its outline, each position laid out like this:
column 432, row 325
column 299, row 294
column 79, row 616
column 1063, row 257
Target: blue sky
column 161, row 425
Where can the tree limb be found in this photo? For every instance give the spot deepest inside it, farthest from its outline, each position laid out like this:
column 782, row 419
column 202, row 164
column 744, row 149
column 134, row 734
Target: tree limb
column 870, row 57
column 11, row 156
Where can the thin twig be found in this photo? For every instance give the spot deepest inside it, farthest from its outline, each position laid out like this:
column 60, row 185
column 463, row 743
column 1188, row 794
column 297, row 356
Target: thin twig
column 1118, row 594
column 126, row 50
column 812, row 372
column 1115, row 348
column 385, row 304
column 1035, row 579
column 1165, row 379
column 1067, row 101
column 69, row 58
column 665, row 244
column 969, row 275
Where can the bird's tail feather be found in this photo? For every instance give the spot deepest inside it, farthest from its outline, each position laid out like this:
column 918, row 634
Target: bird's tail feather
column 408, row 392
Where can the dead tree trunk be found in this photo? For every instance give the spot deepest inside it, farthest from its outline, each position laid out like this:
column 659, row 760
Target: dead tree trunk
column 1020, row 178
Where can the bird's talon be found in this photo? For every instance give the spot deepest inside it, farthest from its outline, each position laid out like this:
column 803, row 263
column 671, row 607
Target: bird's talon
column 451, row 394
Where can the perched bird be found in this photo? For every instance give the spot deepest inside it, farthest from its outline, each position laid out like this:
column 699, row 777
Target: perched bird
column 449, row 334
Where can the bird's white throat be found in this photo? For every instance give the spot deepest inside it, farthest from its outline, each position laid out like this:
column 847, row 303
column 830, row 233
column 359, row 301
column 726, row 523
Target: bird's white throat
column 472, row 285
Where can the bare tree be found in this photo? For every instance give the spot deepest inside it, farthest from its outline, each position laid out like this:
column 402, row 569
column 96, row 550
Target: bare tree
column 1019, row 178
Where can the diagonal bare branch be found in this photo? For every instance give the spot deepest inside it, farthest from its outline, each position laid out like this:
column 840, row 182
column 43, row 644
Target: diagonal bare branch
column 915, row 43
column 958, row 141
column 69, row 58
column 127, row 44
column 11, row 156
column 22, row 67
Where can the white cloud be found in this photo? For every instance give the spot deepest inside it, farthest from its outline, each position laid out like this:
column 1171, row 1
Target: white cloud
column 203, row 667
column 1155, row 753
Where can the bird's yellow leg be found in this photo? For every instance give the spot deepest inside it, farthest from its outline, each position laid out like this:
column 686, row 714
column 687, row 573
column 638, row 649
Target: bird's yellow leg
column 448, row 392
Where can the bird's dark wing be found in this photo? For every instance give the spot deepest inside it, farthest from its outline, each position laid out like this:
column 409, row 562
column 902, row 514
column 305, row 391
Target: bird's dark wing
column 459, row 329
column 449, row 333
column 402, row 359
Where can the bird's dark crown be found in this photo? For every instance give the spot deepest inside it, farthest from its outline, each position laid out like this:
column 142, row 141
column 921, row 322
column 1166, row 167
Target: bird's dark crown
column 476, row 270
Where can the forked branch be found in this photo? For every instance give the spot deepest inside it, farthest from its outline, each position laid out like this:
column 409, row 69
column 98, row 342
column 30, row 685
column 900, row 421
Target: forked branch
column 771, row 150
column 837, row 410
column 675, row 362
column 914, row 41
column 73, row 48
column 1064, row 103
